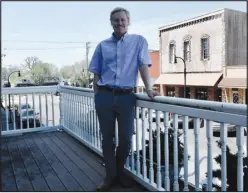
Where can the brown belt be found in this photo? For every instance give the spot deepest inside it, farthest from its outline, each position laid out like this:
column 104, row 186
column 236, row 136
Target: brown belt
column 116, row 90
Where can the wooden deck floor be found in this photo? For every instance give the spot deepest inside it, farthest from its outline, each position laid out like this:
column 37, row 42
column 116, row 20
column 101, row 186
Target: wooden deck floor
column 52, row 161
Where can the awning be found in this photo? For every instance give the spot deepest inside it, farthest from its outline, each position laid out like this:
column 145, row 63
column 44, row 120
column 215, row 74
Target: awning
column 233, row 83
column 192, row 79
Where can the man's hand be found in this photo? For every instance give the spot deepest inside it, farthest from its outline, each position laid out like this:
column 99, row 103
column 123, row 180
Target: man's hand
column 95, row 86
column 152, row 94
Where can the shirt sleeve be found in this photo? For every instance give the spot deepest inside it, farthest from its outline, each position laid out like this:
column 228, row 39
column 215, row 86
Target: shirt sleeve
column 144, row 57
column 96, row 61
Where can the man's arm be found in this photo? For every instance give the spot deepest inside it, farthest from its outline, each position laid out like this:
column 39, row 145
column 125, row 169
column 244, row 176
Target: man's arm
column 144, row 72
column 96, row 66
column 96, row 79
column 144, row 63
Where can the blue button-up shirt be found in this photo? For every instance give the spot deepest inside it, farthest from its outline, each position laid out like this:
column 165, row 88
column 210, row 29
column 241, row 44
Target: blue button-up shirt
column 118, row 61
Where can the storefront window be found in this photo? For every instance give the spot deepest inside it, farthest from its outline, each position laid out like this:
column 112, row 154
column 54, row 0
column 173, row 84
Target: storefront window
column 219, row 94
column 170, row 91
column 201, row 93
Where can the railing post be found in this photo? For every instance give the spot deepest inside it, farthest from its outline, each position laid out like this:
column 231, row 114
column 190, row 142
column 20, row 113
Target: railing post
column 240, row 144
column 61, row 117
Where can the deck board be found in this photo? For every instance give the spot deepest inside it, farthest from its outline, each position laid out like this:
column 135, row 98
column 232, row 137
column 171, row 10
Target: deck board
column 47, row 171
column 66, row 178
column 37, row 180
column 7, row 173
column 52, row 161
column 22, row 178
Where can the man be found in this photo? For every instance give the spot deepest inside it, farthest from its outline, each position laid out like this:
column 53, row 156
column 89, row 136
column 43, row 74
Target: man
column 115, row 65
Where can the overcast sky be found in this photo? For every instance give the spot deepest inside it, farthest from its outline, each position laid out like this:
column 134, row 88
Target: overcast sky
column 23, row 23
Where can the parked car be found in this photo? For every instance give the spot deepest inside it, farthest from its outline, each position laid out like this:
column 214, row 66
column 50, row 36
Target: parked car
column 30, row 116
column 22, row 107
column 231, row 130
column 190, row 122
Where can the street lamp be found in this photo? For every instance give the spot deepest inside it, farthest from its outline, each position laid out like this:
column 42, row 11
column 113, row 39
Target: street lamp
column 9, row 85
column 175, row 61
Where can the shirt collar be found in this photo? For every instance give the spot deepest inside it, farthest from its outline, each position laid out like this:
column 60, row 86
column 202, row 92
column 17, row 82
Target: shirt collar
column 122, row 38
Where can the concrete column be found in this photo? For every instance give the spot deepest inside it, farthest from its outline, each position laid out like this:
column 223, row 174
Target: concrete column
column 192, row 92
column 177, row 90
column 161, row 89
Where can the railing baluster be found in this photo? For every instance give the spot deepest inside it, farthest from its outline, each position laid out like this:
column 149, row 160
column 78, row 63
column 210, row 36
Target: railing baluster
column 197, row 167
column 46, row 110
column 143, row 143
column 185, row 153
column 151, row 170
column 76, row 115
column 84, row 118
column 95, row 123
column 27, row 111
column 20, row 115
column 240, row 144
column 14, row 110
column 7, row 113
column 40, row 106
column 166, row 149
column 210, row 154
column 52, row 97
column 175, row 152
column 34, row 110
column 88, row 120
column 132, row 154
column 92, row 121
column 223, row 139
column 62, row 109
column 158, row 150
column 137, row 143
column 71, row 112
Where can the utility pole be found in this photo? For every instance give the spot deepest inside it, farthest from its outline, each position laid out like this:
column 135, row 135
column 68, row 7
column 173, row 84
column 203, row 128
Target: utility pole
column 87, row 61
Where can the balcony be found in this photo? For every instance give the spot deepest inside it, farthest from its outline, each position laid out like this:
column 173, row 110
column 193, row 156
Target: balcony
column 56, row 144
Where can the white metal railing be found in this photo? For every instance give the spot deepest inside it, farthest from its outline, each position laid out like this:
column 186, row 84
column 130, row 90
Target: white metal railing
column 29, row 109
column 80, row 120
column 159, row 122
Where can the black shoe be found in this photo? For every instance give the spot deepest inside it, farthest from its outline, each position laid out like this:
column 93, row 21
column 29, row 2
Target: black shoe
column 106, row 185
column 125, row 181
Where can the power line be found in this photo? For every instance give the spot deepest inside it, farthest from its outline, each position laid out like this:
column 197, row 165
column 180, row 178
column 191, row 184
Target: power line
column 62, row 48
column 47, row 42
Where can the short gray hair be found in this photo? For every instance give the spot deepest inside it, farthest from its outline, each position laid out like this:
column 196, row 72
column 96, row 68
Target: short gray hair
column 119, row 9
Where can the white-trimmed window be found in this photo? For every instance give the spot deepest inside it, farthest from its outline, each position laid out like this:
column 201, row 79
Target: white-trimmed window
column 172, row 51
column 187, row 48
column 205, row 48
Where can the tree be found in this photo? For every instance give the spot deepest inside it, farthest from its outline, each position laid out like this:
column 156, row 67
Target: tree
column 44, row 72
column 77, row 72
column 232, row 165
column 30, row 62
column 4, row 75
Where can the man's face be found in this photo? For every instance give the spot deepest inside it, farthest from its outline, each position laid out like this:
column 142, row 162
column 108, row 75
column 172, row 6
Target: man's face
column 120, row 22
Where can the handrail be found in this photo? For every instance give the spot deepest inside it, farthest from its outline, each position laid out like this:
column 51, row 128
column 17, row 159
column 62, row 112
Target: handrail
column 240, row 109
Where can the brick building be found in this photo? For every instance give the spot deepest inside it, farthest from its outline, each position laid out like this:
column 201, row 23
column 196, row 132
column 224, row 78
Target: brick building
column 205, row 43
column 154, row 71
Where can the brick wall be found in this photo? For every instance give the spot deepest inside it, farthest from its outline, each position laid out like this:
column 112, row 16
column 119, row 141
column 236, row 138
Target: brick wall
column 155, row 68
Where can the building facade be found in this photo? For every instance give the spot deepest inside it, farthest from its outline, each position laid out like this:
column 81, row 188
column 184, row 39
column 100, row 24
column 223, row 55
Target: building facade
column 205, row 43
